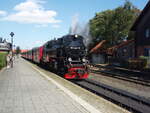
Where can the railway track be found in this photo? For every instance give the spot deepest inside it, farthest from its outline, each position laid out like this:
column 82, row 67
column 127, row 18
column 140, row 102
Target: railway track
column 131, row 102
column 126, row 75
column 121, row 77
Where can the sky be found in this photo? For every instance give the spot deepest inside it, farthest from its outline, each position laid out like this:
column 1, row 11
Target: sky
column 36, row 21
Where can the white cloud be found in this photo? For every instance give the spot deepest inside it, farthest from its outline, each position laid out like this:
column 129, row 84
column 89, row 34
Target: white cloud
column 27, row 6
column 3, row 13
column 32, row 11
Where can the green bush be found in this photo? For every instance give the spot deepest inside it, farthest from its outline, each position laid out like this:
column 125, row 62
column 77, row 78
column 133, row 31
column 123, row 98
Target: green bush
column 3, row 59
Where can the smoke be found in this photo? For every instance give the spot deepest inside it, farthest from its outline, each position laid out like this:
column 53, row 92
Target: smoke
column 83, row 31
column 74, row 25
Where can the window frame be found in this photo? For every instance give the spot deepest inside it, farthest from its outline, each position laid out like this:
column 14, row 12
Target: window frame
column 147, row 33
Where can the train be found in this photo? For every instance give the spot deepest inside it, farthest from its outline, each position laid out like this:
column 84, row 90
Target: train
column 65, row 55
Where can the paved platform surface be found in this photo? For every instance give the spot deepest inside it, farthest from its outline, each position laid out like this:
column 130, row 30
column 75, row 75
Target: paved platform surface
column 24, row 90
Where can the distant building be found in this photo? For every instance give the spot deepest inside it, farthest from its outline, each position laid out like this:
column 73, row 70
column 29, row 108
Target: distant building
column 124, row 50
column 141, row 27
column 118, row 54
column 23, row 50
column 4, row 45
column 121, row 52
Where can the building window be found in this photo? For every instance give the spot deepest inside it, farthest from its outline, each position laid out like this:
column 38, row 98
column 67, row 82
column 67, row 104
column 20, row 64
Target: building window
column 147, row 33
column 147, row 52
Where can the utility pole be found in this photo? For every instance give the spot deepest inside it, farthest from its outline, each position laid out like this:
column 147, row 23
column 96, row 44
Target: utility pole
column 12, row 34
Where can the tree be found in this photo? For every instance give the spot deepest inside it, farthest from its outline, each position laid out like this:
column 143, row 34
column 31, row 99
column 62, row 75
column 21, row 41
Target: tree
column 113, row 25
column 18, row 50
column 100, row 26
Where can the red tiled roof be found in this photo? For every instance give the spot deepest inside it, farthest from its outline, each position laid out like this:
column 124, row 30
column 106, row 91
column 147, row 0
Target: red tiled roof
column 24, row 50
column 98, row 47
column 124, row 43
column 111, row 50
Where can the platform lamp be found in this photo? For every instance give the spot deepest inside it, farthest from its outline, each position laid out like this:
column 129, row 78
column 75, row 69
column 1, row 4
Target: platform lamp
column 12, row 34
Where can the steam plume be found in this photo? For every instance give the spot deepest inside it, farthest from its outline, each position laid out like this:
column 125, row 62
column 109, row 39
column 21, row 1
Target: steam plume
column 83, row 31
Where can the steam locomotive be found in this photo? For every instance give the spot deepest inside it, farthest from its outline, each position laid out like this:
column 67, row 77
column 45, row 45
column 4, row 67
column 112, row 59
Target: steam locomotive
column 66, row 55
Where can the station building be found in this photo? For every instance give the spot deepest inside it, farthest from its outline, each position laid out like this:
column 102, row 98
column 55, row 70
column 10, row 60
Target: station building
column 141, row 29
column 124, row 50
column 4, row 45
column 98, row 53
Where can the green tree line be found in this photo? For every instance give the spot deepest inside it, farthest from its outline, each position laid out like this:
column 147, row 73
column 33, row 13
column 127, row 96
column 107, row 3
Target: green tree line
column 113, row 25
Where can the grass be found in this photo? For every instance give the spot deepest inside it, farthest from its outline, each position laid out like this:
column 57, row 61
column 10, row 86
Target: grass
column 3, row 59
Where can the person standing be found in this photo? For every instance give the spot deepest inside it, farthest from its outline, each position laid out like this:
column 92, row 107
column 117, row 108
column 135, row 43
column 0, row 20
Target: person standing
column 8, row 60
column 11, row 59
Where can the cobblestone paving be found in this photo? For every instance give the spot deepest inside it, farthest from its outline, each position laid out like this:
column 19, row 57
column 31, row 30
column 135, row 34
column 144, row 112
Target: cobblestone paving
column 23, row 90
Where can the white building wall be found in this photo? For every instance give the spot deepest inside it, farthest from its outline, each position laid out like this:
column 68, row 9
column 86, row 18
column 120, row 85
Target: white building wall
column 98, row 59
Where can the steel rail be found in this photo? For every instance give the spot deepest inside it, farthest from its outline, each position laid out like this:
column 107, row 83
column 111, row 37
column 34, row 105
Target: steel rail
column 120, row 97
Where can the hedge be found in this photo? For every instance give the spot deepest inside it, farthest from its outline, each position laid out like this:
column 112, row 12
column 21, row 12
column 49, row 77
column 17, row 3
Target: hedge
column 3, row 59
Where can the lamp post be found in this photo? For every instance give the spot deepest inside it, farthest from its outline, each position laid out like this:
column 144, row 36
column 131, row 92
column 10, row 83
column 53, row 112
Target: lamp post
column 12, row 34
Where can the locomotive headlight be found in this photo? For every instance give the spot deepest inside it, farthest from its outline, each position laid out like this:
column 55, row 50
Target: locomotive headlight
column 71, row 47
column 76, row 36
column 69, row 59
column 83, row 60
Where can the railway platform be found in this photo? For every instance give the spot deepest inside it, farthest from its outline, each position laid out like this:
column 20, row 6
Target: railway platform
column 24, row 89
